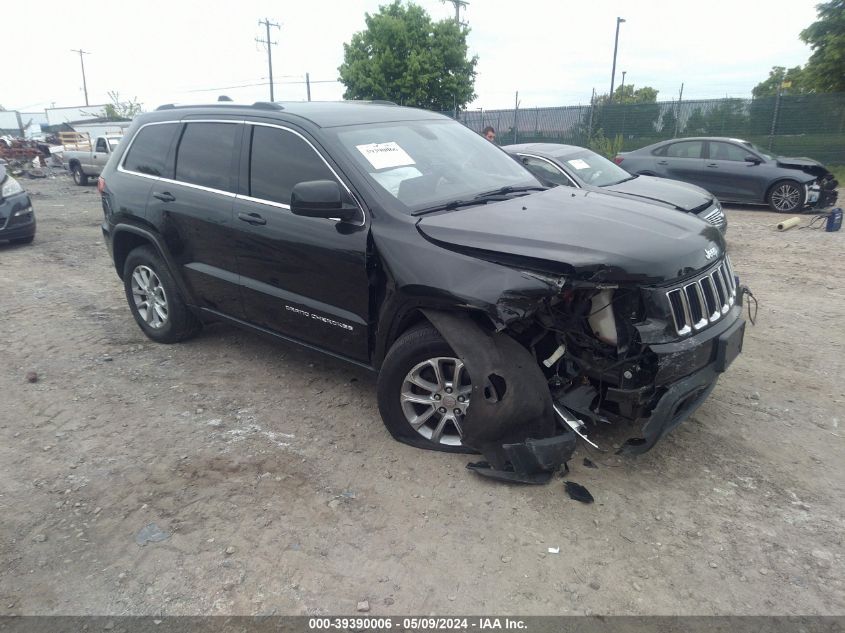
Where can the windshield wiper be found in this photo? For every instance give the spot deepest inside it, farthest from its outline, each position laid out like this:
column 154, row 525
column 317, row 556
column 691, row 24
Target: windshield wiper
column 449, row 206
column 510, row 189
column 497, row 195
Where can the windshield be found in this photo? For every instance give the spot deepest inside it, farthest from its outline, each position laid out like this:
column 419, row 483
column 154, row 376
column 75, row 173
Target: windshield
column 765, row 155
column 594, row 169
column 425, row 163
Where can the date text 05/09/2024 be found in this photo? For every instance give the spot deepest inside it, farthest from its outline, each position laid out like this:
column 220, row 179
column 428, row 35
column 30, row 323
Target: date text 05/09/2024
column 416, row 624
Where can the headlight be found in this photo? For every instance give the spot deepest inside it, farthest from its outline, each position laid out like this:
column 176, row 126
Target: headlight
column 10, row 187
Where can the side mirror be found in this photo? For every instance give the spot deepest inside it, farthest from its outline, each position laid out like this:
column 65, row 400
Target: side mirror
column 752, row 159
column 320, row 199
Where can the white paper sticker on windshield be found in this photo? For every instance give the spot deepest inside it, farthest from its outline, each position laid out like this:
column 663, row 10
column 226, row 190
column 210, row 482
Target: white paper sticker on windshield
column 384, row 155
column 579, row 164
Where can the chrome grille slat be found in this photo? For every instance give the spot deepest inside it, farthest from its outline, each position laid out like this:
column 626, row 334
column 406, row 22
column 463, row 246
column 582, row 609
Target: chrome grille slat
column 705, row 300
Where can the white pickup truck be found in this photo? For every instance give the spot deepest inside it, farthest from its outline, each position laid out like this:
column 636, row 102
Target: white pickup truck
column 86, row 161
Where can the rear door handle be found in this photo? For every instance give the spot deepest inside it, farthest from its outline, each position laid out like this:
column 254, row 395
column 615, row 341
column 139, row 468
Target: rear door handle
column 251, row 218
column 715, row 165
column 164, row 196
column 663, row 162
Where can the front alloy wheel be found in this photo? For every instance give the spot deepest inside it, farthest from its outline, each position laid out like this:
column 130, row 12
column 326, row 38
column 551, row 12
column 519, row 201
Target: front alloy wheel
column 434, row 397
column 786, row 197
column 149, row 296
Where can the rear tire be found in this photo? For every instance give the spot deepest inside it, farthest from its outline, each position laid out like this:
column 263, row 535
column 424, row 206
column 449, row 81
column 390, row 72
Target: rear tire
column 154, row 299
column 79, row 176
column 786, row 196
column 415, row 349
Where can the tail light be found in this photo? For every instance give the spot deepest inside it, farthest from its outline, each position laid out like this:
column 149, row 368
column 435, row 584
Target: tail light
column 101, row 184
column 618, row 160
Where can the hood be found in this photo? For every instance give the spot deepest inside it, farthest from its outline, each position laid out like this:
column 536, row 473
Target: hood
column 593, row 236
column 807, row 165
column 678, row 195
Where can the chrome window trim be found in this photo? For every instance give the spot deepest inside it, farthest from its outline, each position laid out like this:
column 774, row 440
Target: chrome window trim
column 553, row 164
column 229, row 194
column 123, row 158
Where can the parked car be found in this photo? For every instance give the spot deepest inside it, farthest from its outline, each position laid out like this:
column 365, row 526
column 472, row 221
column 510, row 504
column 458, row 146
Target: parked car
column 502, row 317
column 85, row 163
column 737, row 171
column 554, row 164
column 17, row 217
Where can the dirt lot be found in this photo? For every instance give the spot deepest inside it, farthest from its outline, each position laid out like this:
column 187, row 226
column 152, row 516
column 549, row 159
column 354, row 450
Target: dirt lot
column 283, row 494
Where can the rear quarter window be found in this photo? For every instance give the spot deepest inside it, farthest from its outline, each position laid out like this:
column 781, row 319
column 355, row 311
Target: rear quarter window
column 150, row 148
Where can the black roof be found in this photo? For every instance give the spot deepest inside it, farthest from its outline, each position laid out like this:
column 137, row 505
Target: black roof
column 319, row 113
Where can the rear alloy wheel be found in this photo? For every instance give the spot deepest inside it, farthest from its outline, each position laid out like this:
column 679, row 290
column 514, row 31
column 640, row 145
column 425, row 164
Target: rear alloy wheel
column 79, row 176
column 154, row 299
column 424, row 392
column 787, row 196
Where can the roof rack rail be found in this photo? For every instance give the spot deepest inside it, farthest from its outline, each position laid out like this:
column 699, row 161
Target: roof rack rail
column 260, row 105
column 383, row 102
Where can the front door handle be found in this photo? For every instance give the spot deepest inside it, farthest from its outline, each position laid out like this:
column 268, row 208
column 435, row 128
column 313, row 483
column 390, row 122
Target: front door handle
column 715, row 165
column 663, row 162
column 164, row 196
column 251, row 218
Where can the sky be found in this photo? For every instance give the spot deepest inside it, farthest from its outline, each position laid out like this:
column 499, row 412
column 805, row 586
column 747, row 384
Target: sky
column 554, row 52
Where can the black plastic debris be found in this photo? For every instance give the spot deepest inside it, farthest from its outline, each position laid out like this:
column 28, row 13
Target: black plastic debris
column 578, row 492
column 589, row 463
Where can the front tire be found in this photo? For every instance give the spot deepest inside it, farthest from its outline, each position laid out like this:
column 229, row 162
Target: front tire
column 79, row 176
column 787, row 196
column 154, row 299
column 423, row 392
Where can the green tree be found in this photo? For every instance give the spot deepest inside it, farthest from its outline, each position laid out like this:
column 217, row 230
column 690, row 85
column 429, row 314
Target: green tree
column 404, row 56
column 633, row 111
column 727, row 117
column 118, row 109
column 825, row 69
column 791, row 81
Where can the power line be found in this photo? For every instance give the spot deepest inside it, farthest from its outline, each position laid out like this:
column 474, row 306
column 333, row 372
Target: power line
column 264, row 83
column 267, row 23
column 82, row 63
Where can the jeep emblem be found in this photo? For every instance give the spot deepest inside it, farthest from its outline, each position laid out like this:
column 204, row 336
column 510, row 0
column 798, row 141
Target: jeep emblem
column 710, row 253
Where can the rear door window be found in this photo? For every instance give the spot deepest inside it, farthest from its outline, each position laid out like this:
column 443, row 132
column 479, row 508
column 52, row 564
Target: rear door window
column 685, row 149
column 150, row 148
column 205, row 155
column 279, row 160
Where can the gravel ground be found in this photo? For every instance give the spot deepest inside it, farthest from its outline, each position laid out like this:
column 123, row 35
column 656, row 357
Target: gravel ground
column 279, row 491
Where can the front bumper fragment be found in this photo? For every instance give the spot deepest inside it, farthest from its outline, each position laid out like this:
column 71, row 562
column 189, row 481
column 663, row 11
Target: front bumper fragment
column 684, row 396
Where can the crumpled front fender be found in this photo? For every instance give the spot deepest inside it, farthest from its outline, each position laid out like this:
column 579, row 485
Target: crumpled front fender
column 511, row 419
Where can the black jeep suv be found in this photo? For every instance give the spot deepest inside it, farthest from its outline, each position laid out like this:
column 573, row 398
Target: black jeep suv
column 503, row 317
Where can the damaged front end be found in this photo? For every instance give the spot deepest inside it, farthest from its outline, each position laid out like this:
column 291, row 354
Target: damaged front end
column 591, row 353
column 821, row 192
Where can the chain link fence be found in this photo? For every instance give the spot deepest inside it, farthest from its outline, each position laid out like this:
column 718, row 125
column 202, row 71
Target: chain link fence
column 808, row 125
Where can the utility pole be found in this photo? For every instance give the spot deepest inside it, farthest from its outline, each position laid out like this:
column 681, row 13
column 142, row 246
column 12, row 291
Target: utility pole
column 308, row 85
column 459, row 4
column 267, row 23
column 515, row 116
column 678, row 111
column 82, row 63
column 615, row 49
